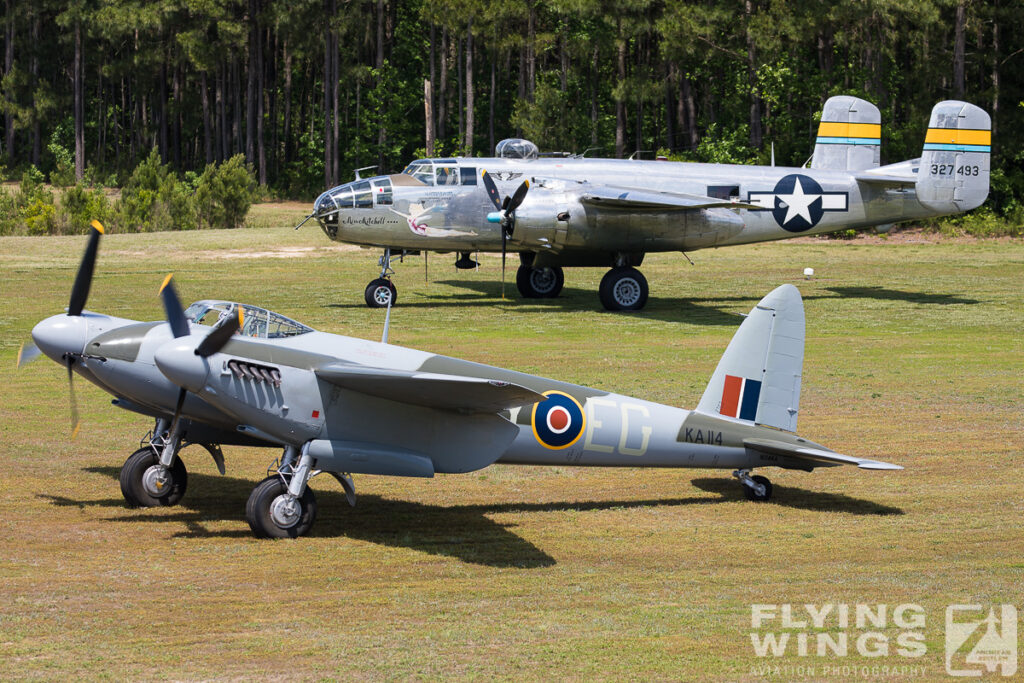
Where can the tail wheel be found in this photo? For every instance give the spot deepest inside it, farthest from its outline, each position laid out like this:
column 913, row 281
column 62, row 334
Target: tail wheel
column 751, row 494
column 272, row 513
column 539, row 283
column 380, row 292
column 623, row 289
column 145, row 484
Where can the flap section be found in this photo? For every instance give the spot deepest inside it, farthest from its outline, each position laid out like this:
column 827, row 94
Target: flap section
column 815, row 457
column 432, row 390
column 625, row 198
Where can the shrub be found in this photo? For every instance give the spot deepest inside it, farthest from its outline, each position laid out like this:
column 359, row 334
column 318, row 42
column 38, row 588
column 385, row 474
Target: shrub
column 224, row 193
column 63, row 174
column 80, row 205
column 154, row 199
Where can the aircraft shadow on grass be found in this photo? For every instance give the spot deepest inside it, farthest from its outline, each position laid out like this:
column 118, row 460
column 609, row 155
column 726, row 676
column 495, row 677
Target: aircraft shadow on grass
column 696, row 311
column 464, row 532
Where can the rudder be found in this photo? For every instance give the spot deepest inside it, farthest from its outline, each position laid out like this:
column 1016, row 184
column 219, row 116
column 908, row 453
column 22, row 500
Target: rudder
column 758, row 376
column 955, row 162
column 849, row 135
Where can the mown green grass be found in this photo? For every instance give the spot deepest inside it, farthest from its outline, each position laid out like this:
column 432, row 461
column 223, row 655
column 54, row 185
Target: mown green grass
column 914, row 355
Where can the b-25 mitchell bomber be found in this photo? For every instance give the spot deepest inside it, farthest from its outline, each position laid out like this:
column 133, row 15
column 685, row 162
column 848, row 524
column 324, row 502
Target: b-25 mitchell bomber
column 572, row 211
column 224, row 373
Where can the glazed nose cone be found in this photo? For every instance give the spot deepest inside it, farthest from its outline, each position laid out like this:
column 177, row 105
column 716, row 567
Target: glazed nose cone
column 60, row 334
column 178, row 361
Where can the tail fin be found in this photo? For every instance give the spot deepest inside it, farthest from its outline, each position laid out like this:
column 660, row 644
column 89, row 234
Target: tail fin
column 955, row 162
column 758, row 377
column 849, row 135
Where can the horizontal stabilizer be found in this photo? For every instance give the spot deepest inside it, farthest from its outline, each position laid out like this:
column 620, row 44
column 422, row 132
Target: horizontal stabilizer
column 624, row 198
column 444, row 392
column 885, row 179
column 815, row 457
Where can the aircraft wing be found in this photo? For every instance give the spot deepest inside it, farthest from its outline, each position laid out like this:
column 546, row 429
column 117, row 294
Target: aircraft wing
column 640, row 200
column 814, row 457
column 444, row 392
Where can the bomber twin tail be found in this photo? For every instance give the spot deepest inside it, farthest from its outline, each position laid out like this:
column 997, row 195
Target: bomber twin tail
column 612, row 212
column 346, row 406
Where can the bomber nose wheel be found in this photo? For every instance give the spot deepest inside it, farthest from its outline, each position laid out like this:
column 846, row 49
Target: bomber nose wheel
column 623, row 289
column 380, row 292
column 539, row 283
column 144, row 483
column 273, row 513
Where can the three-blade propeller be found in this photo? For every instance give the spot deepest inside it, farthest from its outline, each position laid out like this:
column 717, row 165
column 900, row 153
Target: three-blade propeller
column 505, row 214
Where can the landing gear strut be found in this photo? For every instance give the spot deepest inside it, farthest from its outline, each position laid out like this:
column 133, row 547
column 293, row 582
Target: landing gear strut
column 382, row 292
column 539, row 283
column 146, row 481
column 756, row 488
column 283, row 505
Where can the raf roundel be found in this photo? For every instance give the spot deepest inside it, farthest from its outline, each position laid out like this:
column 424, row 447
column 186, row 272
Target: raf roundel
column 558, row 421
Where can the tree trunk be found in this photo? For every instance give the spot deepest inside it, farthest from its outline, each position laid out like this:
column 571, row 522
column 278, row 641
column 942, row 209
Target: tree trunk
column 204, row 93
column 79, row 107
column 8, row 65
column 620, row 102
column 531, row 50
column 176, row 123
column 287, row 133
column 428, row 116
column 995, row 66
column 432, row 131
column 442, row 94
column 594, row 111
column 490, row 104
column 380, row 34
column 329, row 7
column 250, row 84
column 470, row 118
column 959, row 48
column 756, row 136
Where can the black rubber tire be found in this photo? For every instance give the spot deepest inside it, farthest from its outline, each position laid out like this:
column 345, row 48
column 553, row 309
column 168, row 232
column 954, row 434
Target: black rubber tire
column 540, row 283
column 136, row 495
column 257, row 510
column 623, row 289
column 376, row 296
column 752, row 495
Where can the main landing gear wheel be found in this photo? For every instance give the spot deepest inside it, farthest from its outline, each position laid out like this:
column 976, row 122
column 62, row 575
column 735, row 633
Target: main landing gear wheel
column 380, row 292
column 752, row 494
column 539, row 283
column 144, row 483
column 273, row 513
column 623, row 289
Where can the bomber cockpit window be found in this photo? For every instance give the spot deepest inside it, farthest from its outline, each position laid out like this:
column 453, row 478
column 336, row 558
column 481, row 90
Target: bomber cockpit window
column 422, row 171
column 447, row 175
column 382, row 190
column 468, row 175
column 363, row 195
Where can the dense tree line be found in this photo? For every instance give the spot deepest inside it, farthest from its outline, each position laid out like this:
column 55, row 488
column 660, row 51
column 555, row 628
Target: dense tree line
column 308, row 90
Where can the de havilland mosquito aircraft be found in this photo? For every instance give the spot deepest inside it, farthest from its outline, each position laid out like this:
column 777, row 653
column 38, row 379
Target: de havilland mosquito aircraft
column 347, row 406
column 571, row 211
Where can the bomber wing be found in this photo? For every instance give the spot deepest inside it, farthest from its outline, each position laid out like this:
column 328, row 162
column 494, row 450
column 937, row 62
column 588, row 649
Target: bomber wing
column 814, row 457
column 432, row 390
column 640, row 200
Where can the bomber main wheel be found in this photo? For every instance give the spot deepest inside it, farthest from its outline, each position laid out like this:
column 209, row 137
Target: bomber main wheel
column 272, row 513
column 145, row 484
column 380, row 292
column 623, row 289
column 751, row 494
column 539, row 283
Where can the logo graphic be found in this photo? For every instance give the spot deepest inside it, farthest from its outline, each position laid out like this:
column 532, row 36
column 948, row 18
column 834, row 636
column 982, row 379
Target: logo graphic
column 739, row 397
column 978, row 643
column 798, row 202
column 558, row 421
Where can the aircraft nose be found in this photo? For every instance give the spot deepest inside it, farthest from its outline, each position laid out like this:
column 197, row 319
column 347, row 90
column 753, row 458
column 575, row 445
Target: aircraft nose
column 178, row 361
column 60, row 334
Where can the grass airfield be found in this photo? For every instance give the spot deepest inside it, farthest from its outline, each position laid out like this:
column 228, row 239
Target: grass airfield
column 914, row 356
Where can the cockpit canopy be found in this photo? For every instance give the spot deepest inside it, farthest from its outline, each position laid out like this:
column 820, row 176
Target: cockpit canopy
column 441, row 172
column 516, row 148
column 362, row 194
column 256, row 322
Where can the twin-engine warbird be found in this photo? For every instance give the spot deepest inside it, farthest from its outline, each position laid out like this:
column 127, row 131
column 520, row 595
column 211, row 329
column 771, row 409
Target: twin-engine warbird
column 611, row 212
column 347, row 406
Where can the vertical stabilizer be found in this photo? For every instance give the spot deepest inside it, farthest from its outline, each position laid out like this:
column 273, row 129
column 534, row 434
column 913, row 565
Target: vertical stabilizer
column 849, row 135
column 955, row 161
column 758, row 377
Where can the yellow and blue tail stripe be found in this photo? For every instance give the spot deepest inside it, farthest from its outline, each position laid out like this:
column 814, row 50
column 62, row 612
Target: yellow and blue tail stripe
column 958, row 140
column 842, row 133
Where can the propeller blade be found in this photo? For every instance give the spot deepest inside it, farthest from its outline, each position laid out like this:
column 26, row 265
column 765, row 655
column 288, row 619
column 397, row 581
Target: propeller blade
column 504, row 246
column 220, row 335
column 80, row 290
column 492, row 190
column 27, row 353
column 69, row 360
column 518, row 196
column 177, row 411
column 172, row 306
